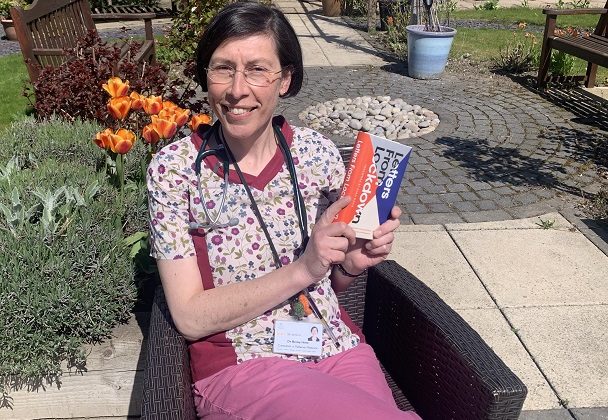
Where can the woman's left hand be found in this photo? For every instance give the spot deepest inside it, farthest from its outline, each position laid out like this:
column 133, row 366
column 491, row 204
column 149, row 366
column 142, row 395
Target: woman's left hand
column 367, row 253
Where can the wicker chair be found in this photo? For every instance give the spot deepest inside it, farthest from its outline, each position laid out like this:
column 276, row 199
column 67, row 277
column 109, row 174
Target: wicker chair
column 438, row 364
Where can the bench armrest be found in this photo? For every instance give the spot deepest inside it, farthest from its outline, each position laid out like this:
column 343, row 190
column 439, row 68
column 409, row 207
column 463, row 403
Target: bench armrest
column 167, row 393
column 442, row 365
column 555, row 12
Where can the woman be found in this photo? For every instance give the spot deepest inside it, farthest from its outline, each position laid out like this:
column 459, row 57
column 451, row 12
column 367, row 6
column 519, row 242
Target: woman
column 230, row 270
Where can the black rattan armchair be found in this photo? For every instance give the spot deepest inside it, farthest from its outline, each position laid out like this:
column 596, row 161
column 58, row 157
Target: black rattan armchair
column 436, row 362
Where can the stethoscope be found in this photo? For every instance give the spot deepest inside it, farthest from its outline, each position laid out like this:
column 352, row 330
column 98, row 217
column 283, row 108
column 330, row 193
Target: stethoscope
column 224, row 156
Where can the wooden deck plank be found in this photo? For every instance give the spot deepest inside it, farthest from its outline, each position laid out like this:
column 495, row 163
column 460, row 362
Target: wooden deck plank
column 110, row 388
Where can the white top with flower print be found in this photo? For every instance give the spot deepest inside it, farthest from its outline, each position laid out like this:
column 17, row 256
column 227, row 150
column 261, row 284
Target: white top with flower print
column 240, row 253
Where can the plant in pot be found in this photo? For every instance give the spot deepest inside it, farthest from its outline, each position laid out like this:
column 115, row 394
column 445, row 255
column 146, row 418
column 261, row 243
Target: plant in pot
column 5, row 15
column 428, row 41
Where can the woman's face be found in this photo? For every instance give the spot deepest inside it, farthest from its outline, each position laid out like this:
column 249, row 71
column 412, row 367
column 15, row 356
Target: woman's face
column 244, row 110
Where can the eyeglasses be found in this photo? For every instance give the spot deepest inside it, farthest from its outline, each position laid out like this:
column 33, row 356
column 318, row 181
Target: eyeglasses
column 255, row 76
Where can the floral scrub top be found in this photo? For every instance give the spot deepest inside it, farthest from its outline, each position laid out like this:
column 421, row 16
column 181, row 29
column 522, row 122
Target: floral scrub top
column 241, row 252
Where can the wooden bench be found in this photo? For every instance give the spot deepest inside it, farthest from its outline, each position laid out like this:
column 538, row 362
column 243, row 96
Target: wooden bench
column 49, row 27
column 109, row 10
column 592, row 48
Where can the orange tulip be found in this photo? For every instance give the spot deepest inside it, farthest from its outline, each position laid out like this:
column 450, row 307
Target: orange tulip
column 119, row 107
column 153, row 104
column 116, row 87
column 165, row 128
column 122, row 141
column 166, row 114
column 169, row 105
column 102, row 139
column 198, row 120
column 181, row 116
column 137, row 100
column 150, row 134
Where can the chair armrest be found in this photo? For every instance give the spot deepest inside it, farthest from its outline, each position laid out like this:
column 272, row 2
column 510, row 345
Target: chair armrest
column 556, row 12
column 441, row 364
column 167, row 381
column 123, row 16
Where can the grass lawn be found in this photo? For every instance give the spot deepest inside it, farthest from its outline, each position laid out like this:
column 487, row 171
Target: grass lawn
column 484, row 45
column 13, row 105
column 512, row 15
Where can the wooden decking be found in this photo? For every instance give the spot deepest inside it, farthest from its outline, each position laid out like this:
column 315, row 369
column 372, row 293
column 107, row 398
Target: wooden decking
column 111, row 388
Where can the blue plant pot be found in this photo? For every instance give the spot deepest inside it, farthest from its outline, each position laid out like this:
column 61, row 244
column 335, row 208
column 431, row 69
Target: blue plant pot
column 427, row 52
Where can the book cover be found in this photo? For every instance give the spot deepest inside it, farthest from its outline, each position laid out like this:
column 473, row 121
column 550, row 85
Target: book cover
column 373, row 177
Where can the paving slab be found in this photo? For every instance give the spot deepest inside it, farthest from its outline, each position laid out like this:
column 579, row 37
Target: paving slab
column 558, row 414
column 570, row 344
column 591, row 413
column 536, row 267
column 557, row 221
column 496, row 332
column 433, row 257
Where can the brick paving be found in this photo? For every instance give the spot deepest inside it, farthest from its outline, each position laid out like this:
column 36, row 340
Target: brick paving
column 501, row 151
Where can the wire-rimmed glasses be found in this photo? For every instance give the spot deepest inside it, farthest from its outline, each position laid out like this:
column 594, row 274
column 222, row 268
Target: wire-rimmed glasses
column 255, row 76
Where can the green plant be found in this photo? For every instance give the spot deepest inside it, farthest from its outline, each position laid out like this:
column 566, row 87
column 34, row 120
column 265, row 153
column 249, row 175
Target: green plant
column 545, row 224
column 561, row 63
column 519, row 55
column 188, row 26
column 5, row 7
column 487, row 5
column 65, row 274
column 396, row 35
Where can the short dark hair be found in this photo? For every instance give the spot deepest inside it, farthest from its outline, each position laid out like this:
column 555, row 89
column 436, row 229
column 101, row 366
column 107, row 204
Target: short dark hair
column 243, row 19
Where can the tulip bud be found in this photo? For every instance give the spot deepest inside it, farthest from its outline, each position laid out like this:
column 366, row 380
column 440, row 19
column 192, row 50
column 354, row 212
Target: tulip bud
column 150, row 135
column 102, row 139
column 119, row 107
column 116, row 87
column 137, row 101
column 122, row 141
column 181, row 116
column 165, row 128
column 153, row 104
column 198, row 120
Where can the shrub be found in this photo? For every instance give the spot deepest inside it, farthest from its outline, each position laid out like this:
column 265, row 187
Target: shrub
column 188, row 26
column 561, row 63
column 65, row 276
column 520, row 55
column 598, row 205
column 72, row 90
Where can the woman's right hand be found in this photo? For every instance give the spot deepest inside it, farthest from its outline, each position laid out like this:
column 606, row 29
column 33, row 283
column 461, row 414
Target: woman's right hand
column 327, row 244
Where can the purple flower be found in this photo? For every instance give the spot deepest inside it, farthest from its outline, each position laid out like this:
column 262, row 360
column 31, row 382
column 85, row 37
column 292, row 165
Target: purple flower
column 173, row 147
column 235, row 231
column 216, row 240
column 250, row 220
column 210, row 204
column 255, row 246
column 285, row 260
column 161, row 169
column 289, row 204
column 296, row 160
column 160, row 215
column 320, row 291
column 197, row 200
column 281, row 212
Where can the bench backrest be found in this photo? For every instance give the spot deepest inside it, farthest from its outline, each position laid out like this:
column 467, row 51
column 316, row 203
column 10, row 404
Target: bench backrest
column 47, row 28
column 602, row 26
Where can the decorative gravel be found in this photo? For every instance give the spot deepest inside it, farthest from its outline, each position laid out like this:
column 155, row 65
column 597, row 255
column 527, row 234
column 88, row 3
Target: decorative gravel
column 380, row 115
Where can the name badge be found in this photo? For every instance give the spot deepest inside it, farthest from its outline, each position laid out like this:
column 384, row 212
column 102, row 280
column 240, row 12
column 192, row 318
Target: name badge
column 298, row 337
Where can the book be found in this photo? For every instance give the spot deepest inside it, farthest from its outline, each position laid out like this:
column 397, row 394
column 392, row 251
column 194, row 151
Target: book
column 373, row 178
